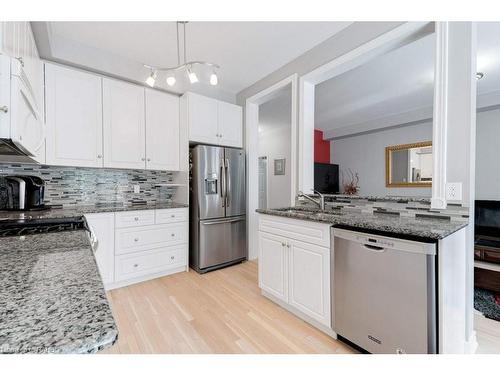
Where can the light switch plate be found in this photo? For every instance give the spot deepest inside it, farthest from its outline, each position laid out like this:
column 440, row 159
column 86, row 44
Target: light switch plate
column 137, row 189
column 454, row 191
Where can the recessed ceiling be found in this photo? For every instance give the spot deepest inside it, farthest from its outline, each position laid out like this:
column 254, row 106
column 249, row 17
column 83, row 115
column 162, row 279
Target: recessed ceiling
column 398, row 87
column 246, row 51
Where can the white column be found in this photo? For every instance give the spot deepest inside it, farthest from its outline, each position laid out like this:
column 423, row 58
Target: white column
column 454, row 133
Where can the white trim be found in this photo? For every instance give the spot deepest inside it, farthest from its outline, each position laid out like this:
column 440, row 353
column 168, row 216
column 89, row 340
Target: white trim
column 471, row 345
column 395, row 38
column 440, row 117
column 252, row 154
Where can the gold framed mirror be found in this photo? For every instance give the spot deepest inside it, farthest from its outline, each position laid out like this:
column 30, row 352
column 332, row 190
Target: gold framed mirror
column 409, row 165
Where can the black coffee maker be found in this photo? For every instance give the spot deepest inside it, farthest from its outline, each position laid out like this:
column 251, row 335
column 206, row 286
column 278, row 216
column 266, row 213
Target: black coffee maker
column 24, row 193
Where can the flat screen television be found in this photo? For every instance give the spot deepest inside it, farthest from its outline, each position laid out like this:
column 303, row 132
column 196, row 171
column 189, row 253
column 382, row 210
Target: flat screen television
column 326, row 178
column 487, row 218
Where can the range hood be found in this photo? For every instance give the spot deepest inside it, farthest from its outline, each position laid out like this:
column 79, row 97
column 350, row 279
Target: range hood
column 10, row 152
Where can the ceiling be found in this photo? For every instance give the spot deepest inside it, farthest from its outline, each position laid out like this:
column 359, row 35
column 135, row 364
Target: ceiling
column 397, row 87
column 246, row 51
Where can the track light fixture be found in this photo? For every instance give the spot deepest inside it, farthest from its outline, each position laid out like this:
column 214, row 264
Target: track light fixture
column 186, row 66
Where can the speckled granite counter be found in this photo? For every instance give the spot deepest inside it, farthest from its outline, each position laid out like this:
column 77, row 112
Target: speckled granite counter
column 419, row 227
column 51, row 296
column 60, row 213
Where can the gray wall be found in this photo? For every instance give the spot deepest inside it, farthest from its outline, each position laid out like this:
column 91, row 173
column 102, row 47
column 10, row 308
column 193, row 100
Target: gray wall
column 365, row 154
column 488, row 155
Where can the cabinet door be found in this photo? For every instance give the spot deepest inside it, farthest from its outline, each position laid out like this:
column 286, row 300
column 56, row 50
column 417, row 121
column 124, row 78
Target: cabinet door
column 103, row 227
column 230, row 125
column 124, row 130
column 74, row 117
column 162, row 131
column 309, row 280
column 202, row 119
column 273, row 267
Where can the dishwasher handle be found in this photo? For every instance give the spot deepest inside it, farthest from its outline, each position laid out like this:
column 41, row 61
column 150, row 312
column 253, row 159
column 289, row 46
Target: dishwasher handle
column 373, row 248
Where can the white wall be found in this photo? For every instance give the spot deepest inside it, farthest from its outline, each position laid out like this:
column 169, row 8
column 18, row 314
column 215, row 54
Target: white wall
column 488, row 155
column 275, row 143
column 365, row 154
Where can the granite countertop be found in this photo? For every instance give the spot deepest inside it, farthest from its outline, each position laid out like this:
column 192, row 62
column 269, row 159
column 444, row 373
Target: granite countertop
column 414, row 228
column 51, row 298
column 60, row 213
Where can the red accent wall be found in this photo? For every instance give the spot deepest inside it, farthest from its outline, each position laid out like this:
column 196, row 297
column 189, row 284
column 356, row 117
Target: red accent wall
column 321, row 148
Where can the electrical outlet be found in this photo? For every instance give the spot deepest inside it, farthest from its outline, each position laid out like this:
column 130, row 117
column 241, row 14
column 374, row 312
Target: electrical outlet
column 137, row 189
column 454, row 191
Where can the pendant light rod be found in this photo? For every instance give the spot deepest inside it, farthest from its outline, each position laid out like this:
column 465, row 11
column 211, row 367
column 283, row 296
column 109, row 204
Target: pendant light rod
column 186, row 65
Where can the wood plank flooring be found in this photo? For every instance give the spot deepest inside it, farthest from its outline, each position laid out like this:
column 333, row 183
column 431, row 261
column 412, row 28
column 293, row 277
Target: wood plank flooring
column 488, row 334
column 218, row 312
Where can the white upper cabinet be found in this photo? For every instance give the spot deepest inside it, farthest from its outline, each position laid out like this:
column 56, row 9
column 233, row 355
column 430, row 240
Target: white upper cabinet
column 162, row 131
column 202, row 119
column 230, row 125
column 74, row 117
column 212, row 121
column 124, row 125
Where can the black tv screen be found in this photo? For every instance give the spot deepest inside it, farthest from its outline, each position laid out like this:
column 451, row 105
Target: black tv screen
column 487, row 218
column 326, row 178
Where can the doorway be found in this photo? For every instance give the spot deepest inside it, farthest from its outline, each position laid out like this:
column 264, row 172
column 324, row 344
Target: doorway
column 273, row 111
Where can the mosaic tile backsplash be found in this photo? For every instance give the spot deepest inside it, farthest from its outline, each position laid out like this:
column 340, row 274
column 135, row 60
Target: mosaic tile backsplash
column 75, row 186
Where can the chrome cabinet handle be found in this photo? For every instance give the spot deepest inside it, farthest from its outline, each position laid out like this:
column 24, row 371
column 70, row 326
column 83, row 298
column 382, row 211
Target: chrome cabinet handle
column 136, row 239
column 288, row 245
column 4, row 109
column 136, row 265
column 172, row 235
column 149, row 159
column 136, row 218
column 99, row 156
column 172, row 257
column 172, row 215
column 143, row 159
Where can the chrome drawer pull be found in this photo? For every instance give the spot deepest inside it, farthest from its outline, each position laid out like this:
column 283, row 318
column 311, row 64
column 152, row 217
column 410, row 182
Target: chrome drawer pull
column 136, row 218
column 136, row 265
column 136, row 239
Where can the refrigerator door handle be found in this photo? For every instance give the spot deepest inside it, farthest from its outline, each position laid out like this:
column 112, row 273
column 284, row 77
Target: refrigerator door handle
column 228, row 183
column 221, row 221
column 222, row 179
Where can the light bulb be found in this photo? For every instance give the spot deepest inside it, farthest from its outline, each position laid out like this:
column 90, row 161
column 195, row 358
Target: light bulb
column 193, row 78
column 171, row 80
column 214, row 80
column 151, row 79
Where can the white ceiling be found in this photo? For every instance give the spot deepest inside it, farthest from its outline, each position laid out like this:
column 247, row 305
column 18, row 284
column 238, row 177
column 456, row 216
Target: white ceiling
column 246, row 51
column 397, row 87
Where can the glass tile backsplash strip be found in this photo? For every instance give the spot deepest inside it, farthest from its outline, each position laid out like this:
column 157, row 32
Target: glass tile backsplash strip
column 74, row 186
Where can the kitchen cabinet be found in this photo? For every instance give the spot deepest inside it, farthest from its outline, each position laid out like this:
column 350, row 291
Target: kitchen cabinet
column 202, row 117
column 103, row 226
column 123, row 125
column 294, row 265
column 309, row 281
column 273, row 269
column 74, row 117
column 162, row 131
column 230, row 126
column 211, row 121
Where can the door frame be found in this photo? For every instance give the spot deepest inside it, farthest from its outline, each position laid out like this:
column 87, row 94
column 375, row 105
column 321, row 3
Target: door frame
column 252, row 153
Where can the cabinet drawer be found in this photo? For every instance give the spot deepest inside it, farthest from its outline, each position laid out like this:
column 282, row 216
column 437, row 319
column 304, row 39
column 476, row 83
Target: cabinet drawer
column 302, row 230
column 150, row 237
column 171, row 215
column 134, row 218
column 149, row 262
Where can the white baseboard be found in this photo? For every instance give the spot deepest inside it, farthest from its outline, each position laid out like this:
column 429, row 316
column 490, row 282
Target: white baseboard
column 301, row 315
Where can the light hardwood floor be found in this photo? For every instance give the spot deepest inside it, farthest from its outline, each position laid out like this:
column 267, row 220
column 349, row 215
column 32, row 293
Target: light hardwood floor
column 218, row 312
column 488, row 334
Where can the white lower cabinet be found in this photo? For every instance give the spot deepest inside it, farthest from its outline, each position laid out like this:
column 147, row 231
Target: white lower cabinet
column 294, row 271
column 135, row 246
column 273, row 270
column 103, row 226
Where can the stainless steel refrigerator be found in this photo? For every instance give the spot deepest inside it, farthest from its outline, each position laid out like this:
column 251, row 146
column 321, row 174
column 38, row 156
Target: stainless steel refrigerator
column 217, row 204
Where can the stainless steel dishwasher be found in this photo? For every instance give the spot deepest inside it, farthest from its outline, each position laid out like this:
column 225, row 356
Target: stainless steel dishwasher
column 384, row 292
